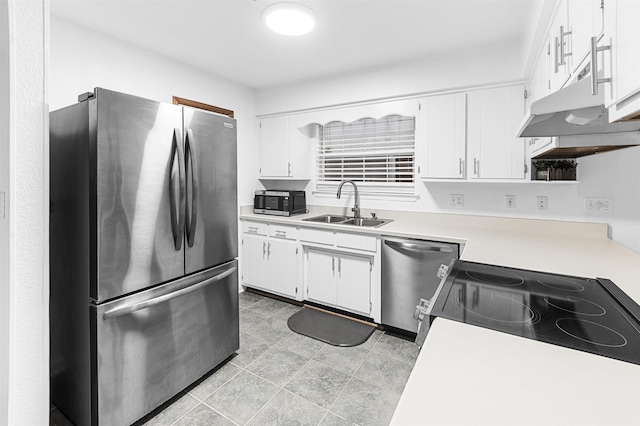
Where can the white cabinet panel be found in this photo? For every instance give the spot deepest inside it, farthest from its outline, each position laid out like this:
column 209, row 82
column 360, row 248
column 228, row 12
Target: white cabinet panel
column 622, row 32
column 281, row 267
column 321, row 277
column 275, row 158
column 493, row 151
column 441, row 134
column 559, row 69
column 253, row 252
column 354, row 283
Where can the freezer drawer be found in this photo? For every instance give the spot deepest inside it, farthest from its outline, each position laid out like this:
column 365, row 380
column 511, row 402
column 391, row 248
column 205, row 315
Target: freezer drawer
column 151, row 345
column 409, row 273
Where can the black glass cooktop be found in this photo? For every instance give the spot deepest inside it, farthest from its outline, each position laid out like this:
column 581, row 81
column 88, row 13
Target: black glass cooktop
column 591, row 315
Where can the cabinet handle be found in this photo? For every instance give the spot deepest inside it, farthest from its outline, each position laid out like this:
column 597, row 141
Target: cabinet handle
column 253, row 229
column 594, row 65
column 556, row 61
column 264, row 248
column 282, row 234
column 268, row 251
column 289, row 168
column 563, row 54
column 476, row 166
column 460, row 166
column 333, row 266
column 339, row 267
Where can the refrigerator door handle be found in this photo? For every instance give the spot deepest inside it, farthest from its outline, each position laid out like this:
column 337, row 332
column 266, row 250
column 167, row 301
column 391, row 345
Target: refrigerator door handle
column 129, row 309
column 177, row 208
column 192, row 212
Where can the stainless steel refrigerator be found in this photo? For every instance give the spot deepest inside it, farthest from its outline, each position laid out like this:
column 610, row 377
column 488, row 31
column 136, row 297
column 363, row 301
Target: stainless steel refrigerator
column 143, row 231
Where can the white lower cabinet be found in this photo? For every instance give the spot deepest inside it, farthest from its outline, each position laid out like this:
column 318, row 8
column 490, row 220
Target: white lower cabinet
column 270, row 264
column 336, row 269
column 338, row 279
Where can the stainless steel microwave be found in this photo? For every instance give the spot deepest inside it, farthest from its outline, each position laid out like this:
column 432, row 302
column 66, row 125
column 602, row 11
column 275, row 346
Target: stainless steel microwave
column 280, row 203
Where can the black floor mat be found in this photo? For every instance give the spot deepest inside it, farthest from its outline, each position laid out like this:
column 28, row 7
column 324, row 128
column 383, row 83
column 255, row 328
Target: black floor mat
column 332, row 329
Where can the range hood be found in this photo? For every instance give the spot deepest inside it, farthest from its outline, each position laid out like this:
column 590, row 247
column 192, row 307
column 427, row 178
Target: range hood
column 578, row 123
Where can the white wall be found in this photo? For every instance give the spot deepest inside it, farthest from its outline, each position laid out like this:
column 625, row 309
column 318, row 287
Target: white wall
column 466, row 68
column 612, row 175
column 4, row 222
column 24, row 284
column 82, row 59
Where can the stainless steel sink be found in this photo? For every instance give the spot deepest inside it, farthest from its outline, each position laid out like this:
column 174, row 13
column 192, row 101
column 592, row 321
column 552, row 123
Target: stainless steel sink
column 327, row 218
column 373, row 223
column 346, row 220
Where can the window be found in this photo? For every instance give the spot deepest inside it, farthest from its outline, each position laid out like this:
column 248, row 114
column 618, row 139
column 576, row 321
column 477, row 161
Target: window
column 378, row 154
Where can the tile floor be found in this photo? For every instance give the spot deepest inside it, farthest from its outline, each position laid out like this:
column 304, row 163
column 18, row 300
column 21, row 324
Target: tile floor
column 279, row 377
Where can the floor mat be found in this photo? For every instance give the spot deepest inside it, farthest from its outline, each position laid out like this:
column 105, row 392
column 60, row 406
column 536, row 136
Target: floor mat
column 329, row 328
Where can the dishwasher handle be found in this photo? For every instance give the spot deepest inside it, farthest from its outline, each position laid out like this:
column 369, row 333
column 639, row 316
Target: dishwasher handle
column 426, row 246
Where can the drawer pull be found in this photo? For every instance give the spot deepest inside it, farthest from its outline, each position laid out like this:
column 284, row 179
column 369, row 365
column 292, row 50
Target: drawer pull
column 281, row 234
column 253, row 229
column 129, row 309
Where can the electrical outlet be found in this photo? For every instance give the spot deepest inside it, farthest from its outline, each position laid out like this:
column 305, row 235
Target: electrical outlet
column 510, row 201
column 598, row 205
column 543, row 202
column 457, row 201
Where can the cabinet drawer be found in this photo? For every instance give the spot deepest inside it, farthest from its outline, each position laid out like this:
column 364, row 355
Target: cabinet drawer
column 316, row 236
column 257, row 228
column 356, row 241
column 283, row 231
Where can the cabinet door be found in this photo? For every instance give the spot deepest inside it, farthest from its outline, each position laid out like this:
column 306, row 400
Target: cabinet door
column 282, row 267
column 320, row 274
column 623, row 31
column 441, row 128
column 354, row 283
column 493, row 150
column 585, row 21
column 274, row 147
column 559, row 66
column 254, row 254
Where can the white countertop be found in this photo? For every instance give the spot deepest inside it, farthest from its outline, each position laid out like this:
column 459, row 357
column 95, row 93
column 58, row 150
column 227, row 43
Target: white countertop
column 467, row 375
column 570, row 248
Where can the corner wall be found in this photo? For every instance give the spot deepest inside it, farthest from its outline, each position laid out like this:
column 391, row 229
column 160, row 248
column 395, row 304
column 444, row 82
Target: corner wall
column 24, row 253
column 82, row 59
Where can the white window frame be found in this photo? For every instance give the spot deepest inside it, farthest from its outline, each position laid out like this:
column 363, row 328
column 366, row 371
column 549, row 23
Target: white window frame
column 362, row 151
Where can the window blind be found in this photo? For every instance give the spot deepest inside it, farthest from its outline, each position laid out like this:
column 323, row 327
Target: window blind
column 376, row 153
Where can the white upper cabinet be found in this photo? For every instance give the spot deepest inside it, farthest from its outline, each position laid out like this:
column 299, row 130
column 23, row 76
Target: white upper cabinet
column 441, row 136
column 622, row 63
column 559, row 66
column 539, row 85
column 284, row 148
column 493, row 151
column 275, row 160
column 585, row 21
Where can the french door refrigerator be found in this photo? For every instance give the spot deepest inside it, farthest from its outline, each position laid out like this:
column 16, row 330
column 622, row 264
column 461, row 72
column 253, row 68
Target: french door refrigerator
column 143, row 244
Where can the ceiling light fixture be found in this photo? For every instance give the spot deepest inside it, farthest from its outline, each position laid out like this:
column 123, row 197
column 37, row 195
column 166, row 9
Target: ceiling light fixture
column 289, row 19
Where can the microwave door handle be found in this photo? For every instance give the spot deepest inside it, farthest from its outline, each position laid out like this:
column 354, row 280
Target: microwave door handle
column 176, row 208
column 131, row 308
column 192, row 213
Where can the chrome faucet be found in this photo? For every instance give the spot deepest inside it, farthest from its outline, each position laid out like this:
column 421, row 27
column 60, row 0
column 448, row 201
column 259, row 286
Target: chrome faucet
column 356, row 205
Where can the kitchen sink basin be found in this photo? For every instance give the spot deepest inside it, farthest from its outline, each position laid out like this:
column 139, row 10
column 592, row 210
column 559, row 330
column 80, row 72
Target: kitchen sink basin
column 346, row 220
column 366, row 222
column 327, row 218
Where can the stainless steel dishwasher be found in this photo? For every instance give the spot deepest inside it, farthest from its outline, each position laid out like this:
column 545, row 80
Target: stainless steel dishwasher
column 409, row 273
